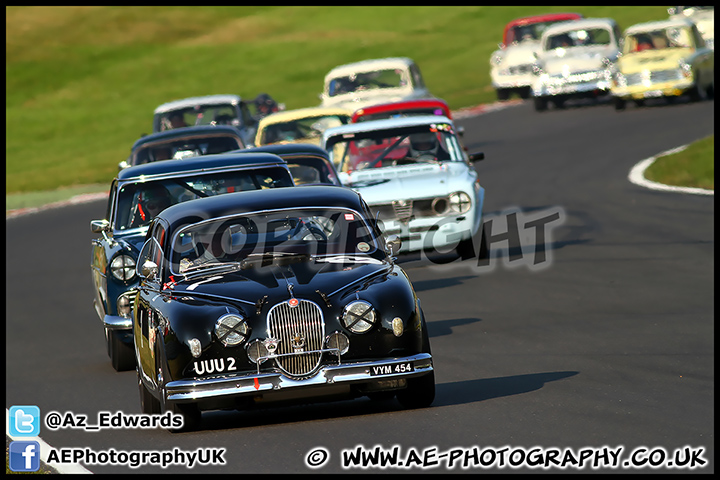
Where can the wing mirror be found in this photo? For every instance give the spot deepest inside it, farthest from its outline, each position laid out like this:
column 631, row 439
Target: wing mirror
column 476, row 157
column 99, row 226
column 392, row 245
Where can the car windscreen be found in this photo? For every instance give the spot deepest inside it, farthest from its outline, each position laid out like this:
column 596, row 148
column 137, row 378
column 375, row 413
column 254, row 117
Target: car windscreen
column 188, row 147
column 215, row 114
column 391, row 147
column 274, row 237
column 300, row 129
column 357, row 82
column 138, row 202
column 578, row 38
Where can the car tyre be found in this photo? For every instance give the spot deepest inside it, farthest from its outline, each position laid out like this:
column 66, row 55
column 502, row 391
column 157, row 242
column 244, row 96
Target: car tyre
column 466, row 249
column 122, row 355
column 190, row 413
column 697, row 94
column 541, row 104
column 559, row 103
column 619, row 103
column 420, row 392
column 503, row 94
column 639, row 103
column 148, row 404
column 525, row 93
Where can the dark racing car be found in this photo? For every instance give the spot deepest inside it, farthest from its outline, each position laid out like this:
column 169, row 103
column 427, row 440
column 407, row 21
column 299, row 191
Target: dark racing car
column 309, row 164
column 136, row 196
column 269, row 296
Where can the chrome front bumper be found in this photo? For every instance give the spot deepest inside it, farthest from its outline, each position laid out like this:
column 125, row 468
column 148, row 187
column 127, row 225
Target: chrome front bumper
column 114, row 322
column 572, row 88
column 252, row 384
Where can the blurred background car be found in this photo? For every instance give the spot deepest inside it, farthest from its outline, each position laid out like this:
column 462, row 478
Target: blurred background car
column 303, row 125
column 703, row 17
column 357, row 85
column 207, row 110
column 663, row 59
column 511, row 64
column 182, row 143
column 308, row 163
column 430, row 106
column 575, row 61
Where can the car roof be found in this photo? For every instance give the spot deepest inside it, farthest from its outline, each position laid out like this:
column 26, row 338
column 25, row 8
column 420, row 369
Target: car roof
column 370, row 65
column 544, row 18
column 257, row 200
column 396, row 106
column 578, row 25
column 659, row 24
column 203, row 100
column 183, row 132
column 281, row 149
column 385, row 123
column 286, row 115
column 200, row 163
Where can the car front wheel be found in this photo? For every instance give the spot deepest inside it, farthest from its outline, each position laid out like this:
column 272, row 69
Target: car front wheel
column 698, row 94
column 122, row 355
column 148, row 404
column 190, row 413
column 420, row 392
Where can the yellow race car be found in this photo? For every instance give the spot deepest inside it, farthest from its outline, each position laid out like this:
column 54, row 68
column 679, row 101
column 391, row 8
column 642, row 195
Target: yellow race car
column 303, row 125
column 663, row 59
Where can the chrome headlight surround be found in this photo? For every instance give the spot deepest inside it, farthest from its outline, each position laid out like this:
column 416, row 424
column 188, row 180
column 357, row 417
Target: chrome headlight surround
column 231, row 329
column 125, row 304
column 460, row 202
column 122, row 268
column 359, row 316
column 619, row 79
column 685, row 68
column 338, row 342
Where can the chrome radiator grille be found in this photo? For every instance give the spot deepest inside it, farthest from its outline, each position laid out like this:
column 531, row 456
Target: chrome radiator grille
column 659, row 76
column 300, row 330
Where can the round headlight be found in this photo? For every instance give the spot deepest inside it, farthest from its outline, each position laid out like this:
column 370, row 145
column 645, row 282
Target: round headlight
column 460, row 202
column 123, row 268
column 359, row 316
column 231, row 330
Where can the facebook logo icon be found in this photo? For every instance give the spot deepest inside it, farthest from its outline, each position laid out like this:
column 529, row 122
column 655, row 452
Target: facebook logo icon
column 24, row 421
column 24, row 456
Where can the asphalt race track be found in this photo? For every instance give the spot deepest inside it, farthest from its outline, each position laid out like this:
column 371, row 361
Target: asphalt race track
column 598, row 336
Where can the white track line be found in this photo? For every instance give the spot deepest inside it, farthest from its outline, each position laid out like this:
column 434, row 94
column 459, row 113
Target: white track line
column 637, row 176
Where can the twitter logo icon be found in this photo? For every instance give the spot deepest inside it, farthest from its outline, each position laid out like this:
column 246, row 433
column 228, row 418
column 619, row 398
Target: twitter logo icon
column 24, row 421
